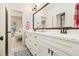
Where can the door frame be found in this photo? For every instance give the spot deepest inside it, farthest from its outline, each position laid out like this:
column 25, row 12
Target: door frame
column 6, row 31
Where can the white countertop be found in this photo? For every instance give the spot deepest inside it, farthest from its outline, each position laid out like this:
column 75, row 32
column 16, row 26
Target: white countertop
column 72, row 37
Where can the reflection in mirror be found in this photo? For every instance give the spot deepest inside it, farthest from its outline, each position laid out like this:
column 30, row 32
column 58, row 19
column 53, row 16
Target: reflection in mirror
column 60, row 20
column 43, row 22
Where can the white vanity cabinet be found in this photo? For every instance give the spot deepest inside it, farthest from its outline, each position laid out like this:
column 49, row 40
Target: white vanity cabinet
column 43, row 45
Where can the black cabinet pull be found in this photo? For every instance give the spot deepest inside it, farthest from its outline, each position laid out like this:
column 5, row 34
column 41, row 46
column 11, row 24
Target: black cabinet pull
column 52, row 52
column 48, row 50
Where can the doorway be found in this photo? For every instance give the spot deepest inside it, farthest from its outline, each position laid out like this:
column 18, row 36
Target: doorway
column 15, row 32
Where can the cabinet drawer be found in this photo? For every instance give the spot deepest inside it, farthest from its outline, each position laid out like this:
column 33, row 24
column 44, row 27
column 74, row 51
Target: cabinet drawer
column 35, row 51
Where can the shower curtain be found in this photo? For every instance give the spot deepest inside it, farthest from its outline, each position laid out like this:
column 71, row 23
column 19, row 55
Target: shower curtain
column 76, row 16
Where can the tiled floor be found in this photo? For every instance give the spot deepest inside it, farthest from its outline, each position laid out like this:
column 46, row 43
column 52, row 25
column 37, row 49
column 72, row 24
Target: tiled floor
column 16, row 47
column 23, row 53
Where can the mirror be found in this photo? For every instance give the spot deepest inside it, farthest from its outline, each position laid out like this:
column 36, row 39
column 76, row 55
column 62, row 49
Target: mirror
column 43, row 19
column 55, row 16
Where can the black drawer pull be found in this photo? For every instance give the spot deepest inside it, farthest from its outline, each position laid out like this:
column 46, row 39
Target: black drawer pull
column 52, row 52
column 49, row 50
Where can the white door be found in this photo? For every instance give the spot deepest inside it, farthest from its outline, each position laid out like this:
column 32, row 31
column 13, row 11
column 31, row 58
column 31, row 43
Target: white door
column 2, row 29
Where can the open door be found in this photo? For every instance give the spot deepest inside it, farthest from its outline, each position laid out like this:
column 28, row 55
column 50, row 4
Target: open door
column 2, row 30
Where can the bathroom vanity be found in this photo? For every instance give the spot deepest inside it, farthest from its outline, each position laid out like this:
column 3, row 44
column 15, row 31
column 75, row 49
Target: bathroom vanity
column 52, row 44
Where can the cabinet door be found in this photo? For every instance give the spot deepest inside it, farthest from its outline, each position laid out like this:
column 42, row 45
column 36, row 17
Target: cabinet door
column 44, row 51
column 44, row 48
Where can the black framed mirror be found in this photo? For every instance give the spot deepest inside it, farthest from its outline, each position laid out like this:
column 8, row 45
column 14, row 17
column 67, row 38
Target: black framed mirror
column 59, row 16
